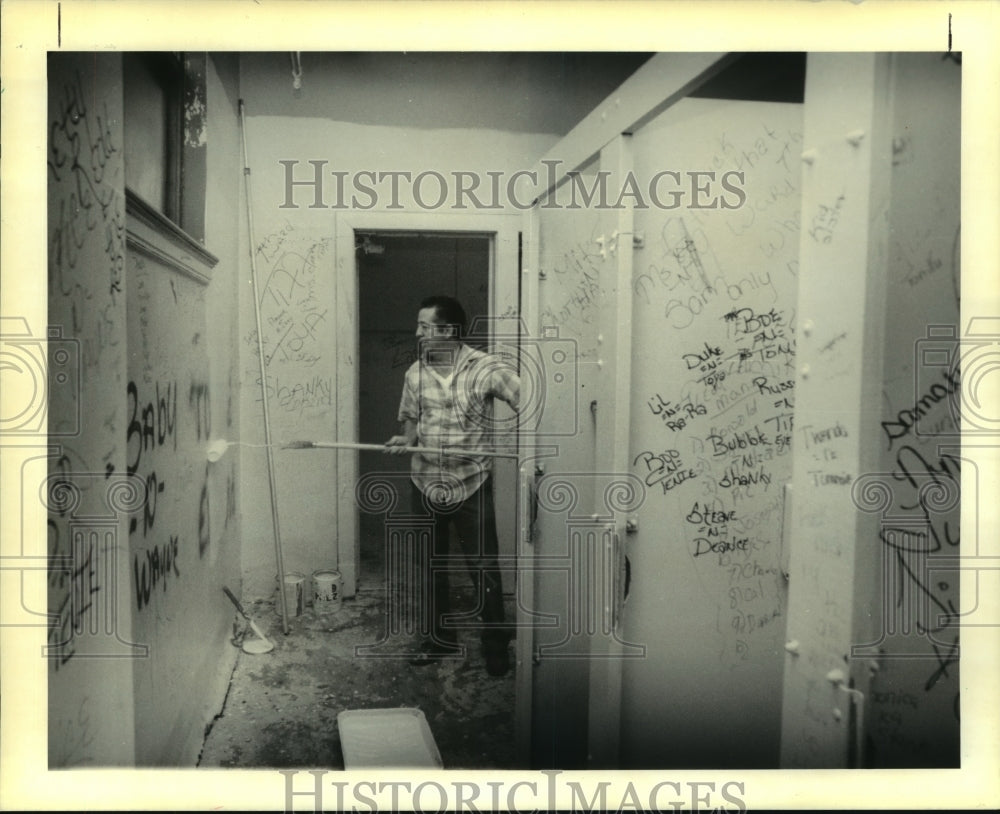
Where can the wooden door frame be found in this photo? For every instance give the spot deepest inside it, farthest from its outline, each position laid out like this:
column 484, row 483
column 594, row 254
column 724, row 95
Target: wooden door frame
column 503, row 230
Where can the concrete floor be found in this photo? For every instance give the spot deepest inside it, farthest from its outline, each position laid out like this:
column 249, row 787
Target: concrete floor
column 281, row 709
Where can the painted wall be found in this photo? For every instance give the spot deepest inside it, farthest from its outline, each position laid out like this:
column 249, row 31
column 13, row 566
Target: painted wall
column 294, row 253
column 185, row 544
column 154, row 346
column 91, row 720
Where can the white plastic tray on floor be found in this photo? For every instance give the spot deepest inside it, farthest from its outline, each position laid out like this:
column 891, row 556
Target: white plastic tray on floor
column 387, row 739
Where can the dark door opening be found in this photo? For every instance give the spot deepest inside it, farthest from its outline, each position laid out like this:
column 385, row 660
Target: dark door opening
column 396, row 270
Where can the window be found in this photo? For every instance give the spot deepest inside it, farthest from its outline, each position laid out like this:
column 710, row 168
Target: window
column 164, row 126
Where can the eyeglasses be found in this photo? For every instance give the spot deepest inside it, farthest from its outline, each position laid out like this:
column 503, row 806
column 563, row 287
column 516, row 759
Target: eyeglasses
column 435, row 328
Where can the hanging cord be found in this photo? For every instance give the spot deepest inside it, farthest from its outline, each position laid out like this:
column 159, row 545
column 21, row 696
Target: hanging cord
column 263, row 380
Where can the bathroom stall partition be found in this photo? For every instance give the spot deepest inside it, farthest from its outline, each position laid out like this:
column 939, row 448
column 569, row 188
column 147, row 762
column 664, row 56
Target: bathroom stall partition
column 667, row 267
column 703, row 566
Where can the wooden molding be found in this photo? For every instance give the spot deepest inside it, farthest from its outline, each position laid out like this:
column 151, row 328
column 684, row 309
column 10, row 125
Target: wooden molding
column 152, row 233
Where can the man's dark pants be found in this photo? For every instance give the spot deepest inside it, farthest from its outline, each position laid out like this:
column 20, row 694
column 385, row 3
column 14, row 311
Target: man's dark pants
column 475, row 525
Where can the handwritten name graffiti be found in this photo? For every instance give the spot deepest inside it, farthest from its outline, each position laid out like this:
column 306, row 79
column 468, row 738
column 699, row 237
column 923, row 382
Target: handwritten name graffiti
column 73, row 591
column 712, row 525
column 740, row 441
column 814, row 437
column 932, row 491
column 734, row 476
column 665, row 468
column 81, row 153
column 582, row 268
column 675, row 416
column 707, row 362
column 155, row 453
column 151, row 425
column 935, row 532
column 293, row 310
column 751, row 592
column 682, row 313
column 769, row 341
column 824, row 223
column 773, row 214
column 906, row 420
column 766, row 386
column 155, row 567
column 298, row 397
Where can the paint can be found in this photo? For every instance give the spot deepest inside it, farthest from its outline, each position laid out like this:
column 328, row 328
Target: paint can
column 295, row 599
column 327, row 596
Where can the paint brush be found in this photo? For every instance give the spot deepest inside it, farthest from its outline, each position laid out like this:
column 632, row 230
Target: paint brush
column 267, row 645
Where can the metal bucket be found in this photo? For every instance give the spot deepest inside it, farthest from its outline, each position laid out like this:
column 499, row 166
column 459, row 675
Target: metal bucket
column 295, row 595
column 327, row 596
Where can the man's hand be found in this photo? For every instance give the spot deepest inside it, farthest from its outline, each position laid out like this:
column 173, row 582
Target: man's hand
column 397, row 444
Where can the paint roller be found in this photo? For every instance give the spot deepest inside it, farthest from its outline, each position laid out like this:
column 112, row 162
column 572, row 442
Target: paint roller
column 264, row 645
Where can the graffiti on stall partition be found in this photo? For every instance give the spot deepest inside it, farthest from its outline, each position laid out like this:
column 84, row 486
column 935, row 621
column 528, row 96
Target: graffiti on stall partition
column 712, row 525
column 906, row 420
column 665, row 468
column 823, row 225
column 676, row 416
column 936, row 531
column 919, row 533
column 770, row 336
column 682, row 313
column 582, row 268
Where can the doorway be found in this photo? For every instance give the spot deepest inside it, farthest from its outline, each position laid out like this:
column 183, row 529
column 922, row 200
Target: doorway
column 396, row 270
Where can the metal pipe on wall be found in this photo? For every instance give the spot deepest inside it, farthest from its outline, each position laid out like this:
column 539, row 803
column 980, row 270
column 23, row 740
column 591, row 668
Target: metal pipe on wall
column 263, row 379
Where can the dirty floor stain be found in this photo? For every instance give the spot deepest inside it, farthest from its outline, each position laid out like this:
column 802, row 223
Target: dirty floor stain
column 281, row 709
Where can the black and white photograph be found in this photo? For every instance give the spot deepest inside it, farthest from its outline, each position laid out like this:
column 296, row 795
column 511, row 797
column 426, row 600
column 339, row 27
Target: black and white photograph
column 500, row 419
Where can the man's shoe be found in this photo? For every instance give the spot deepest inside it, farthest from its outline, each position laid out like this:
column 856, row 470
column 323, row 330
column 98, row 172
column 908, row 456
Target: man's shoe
column 497, row 659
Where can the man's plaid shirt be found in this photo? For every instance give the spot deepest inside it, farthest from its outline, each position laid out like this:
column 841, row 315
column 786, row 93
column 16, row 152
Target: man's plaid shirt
column 456, row 414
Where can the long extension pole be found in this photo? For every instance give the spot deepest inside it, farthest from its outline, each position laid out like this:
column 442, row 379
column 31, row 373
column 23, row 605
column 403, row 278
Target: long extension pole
column 382, row 448
column 263, row 379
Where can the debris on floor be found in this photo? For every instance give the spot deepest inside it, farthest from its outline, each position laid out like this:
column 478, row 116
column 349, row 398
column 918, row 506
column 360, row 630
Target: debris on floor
column 281, row 709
